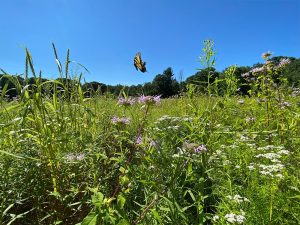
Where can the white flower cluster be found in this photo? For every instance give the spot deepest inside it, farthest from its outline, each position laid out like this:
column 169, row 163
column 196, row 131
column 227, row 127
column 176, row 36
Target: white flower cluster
column 274, row 154
column 218, row 155
column 274, row 157
column 174, row 118
column 271, row 170
column 270, row 147
column 238, row 199
column 170, row 122
column 236, row 218
column 75, row 157
column 295, row 92
column 249, row 119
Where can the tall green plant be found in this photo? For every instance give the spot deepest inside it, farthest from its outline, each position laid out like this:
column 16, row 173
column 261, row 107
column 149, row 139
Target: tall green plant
column 208, row 60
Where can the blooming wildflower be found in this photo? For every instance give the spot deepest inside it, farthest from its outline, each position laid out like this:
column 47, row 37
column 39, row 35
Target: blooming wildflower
column 149, row 100
column 266, row 55
column 279, row 175
column 269, row 155
column 164, row 117
column 226, row 163
column 257, row 69
column 153, row 144
column 173, row 127
column 285, row 104
column 120, row 121
column 269, row 62
column 296, row 92
column 266, row 148
column 70, row 157
column 251, row 167
column 245, row 75
column 271, row 170
column 284, row 62
column 80, row 157
column 201, row 148
column 193, row 147
column 139, row 140
column 241, row 102
column 233, row 218
column 283, row 152
column 215, row 218
column 73, row 157
column 250, row 119
column 238, row 199
column 126, row 101
column 244, row 138
column 263, row 172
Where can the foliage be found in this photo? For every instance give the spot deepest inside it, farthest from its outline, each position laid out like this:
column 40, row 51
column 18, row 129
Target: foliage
column 72, row 158
column 165, row 85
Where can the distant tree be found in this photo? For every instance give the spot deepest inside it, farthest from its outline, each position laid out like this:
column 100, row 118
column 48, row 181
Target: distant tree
column 200, row 78
column 292, row 72
column 148, row 89
column 135, row 90
column 165, row 85
column 8, row 87
column 243, row 85
column 94, row 87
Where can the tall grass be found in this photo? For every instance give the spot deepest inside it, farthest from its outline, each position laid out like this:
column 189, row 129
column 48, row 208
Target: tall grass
column 196, row 159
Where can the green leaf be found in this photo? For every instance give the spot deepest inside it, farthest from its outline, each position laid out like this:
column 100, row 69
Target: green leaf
column 90, row 219
column 123, row 222
column 17, row 156
column 156, row 215
column 121, row 201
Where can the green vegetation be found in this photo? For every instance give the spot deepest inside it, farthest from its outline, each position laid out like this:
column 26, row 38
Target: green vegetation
column 208, row 156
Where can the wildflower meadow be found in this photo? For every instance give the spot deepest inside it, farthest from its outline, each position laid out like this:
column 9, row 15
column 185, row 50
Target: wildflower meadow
column 198, row 158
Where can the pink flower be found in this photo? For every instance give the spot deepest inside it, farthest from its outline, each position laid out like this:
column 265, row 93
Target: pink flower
column 126, row 101
column 149, row 100
column 120, row 120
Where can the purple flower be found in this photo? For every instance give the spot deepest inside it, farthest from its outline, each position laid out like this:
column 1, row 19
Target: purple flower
column 193, row 147
column 284, row 62
column 126, row 101
column 120, row 120
column 149, row 100
column 200, row 149
column 80, row 157
column 153, row 144
column 257, row 70
column 245, row 75
column 139, row 140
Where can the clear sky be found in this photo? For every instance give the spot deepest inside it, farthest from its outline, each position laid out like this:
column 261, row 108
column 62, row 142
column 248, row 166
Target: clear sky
column 105, row 35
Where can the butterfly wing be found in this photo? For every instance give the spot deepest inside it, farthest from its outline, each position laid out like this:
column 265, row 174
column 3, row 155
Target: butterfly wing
column 138, row 63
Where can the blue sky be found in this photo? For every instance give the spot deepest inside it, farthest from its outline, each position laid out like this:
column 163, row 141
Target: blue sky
column 105, row 35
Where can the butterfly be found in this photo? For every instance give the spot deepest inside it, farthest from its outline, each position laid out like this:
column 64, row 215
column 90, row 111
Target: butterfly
column 139, row 64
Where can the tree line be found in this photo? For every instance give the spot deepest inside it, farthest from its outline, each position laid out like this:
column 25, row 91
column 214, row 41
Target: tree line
column 164, row 84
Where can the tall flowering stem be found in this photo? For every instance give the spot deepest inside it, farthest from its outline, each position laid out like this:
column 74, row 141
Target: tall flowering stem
column 146, row 102
column 266, row 81
column 208, row 60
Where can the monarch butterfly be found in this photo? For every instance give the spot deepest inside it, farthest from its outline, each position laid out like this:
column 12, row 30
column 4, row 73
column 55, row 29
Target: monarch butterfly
column 139, row 64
